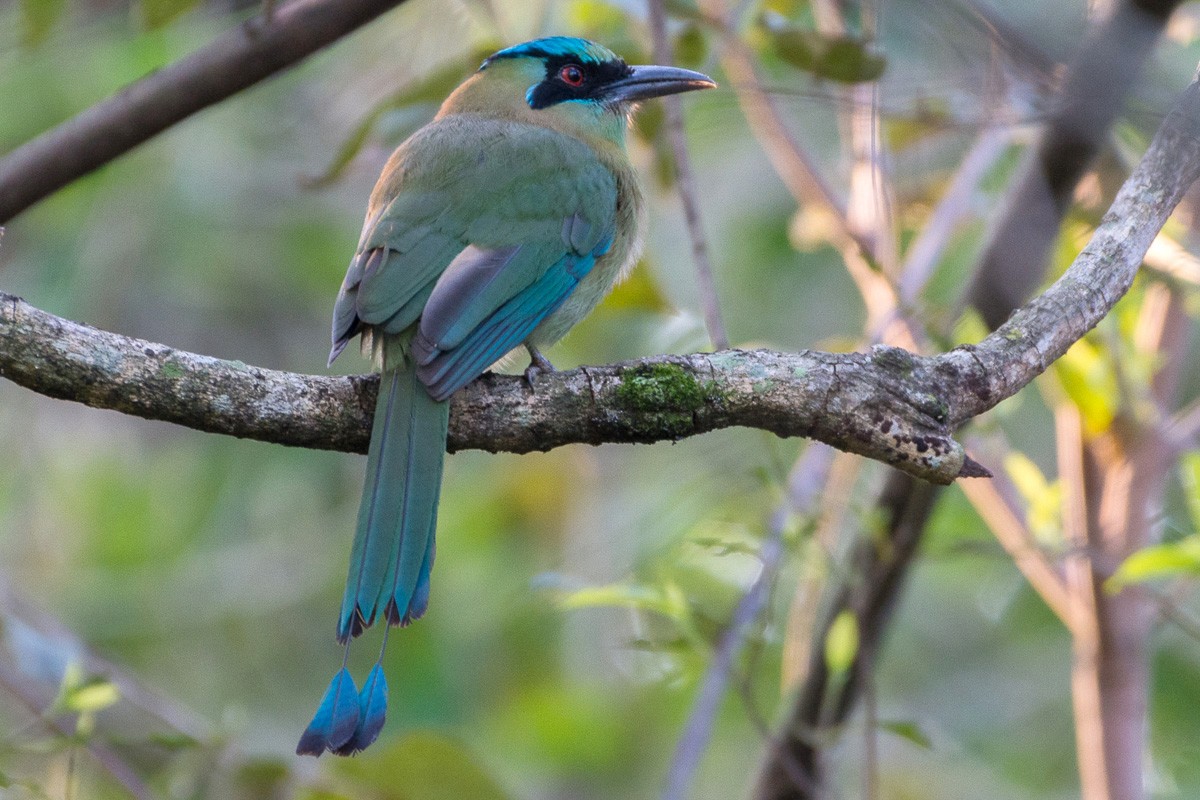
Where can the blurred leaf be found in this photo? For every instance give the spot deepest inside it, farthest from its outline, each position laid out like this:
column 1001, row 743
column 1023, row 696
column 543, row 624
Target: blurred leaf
column 812, row 226
column 310, row 793
column 970, row 328
column 262, row 777
column 95, row 695
column 1088, row 378
column 1189, row 469
column 607, row 22
column 157, row 13
column 909, row 731
column 691, row 46
column 841, row 643
column 1158, row 561
column 786, row 8
column 1043, row 498
column 596, row 16
column 648, row 121
column 667, row 600
column 173, row 741
column 84, row 695
column 930, row 118
column 638, row 292
column 420, row 766
column 38, row 18
column 837, row 58
column 577, row 727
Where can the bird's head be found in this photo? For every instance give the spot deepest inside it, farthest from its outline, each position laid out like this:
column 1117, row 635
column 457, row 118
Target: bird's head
column 568, row 83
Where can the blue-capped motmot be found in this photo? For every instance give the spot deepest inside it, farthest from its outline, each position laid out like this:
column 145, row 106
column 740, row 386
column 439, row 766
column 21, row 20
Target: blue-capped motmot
column 501, row 223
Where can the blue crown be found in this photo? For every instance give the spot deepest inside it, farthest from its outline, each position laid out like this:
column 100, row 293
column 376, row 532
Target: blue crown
column 553, row 47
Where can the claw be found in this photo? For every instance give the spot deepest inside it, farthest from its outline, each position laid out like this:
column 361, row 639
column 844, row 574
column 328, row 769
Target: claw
column 538, row 364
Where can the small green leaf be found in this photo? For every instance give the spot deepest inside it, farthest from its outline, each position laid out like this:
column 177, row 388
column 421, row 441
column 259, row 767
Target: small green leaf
column 95, row 695
column 82, row 694
column 1043, row 498
column 841, row 643
column 909, row 731
column 38, row 18
column 1088, row 378
column 838, row 58
column 1158, row 561
column 1189, row 468
column 627, row 595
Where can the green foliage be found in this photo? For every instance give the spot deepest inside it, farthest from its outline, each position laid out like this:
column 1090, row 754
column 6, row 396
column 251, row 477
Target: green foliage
column 837, row 58
column 1181, row 558
column 908, row 731
column 1043, row 498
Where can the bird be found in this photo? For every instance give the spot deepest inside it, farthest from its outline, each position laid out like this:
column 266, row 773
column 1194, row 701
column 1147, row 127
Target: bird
column 500, row 224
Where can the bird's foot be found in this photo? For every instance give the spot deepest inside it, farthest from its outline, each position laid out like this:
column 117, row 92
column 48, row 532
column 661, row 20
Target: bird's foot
column 538, row 364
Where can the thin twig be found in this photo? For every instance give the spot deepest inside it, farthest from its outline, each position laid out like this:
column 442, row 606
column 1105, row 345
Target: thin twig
column 1084, row 614
column 1094, row 88
column 686, row 182
column 1184, row 430
column 1003, row 520
column 923, row 255
column 696, row 733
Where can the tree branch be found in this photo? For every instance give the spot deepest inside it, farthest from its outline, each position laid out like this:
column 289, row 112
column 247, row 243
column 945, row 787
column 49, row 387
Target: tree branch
column 883, row 404
column 886, row 404
column 234, row 61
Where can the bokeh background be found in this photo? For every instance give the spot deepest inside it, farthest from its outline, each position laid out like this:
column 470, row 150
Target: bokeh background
column 578, row 593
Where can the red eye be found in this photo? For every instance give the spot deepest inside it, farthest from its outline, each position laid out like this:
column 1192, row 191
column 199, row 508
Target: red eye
column 571, row 74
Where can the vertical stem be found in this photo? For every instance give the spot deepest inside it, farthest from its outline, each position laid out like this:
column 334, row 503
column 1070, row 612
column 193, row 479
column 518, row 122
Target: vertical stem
column 686, row 180
column 1084, row 614
column 1113, row 484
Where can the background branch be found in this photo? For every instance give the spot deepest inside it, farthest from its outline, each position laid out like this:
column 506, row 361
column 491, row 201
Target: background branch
column 234, row 61
column 1106, row 67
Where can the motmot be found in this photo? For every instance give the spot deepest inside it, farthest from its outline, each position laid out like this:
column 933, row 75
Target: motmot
column 501, row 223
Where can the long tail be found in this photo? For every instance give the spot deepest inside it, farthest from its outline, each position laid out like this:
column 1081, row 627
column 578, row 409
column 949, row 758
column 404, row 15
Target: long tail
column 393, row 549
column 398, row 514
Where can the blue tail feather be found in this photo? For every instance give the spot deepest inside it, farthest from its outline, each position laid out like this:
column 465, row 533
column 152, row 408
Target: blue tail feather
column 420, row 597
column 336, row 719
column 398, row 514
column 372, row 712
